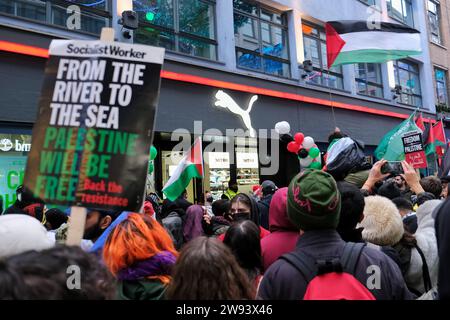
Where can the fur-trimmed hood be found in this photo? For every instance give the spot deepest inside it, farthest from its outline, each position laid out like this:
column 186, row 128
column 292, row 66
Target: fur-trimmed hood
column 382, row 222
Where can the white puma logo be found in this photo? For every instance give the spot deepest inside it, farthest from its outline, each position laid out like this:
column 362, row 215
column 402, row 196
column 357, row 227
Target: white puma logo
column 225, row 101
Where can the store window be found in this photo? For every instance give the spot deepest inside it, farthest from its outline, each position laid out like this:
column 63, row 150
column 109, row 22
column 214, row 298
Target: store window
column 261, row 36
column 247, row 164
column 401, row 10
column 368, row 79
column 434, row 20
column 314, row 43
column 406, row 75
column 14, row 149
column 440, row 77
column 94, row 14
column 185, row 26
column 217, row 172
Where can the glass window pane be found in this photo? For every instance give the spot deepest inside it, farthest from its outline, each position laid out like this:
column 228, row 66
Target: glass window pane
column 197, row 17
column 408, row 13
column 415, row 84
column 374, row 73
column 89, row 22
column 245, row 6
column 374, row 91
column 274, row 41
column 361, row 87
column 312, row 51
column 441, row 89
column 396, row 9
column 276, row 68
column 246, row 32
column 360, row 70
column 250, row 61
column 332, row 81
column 432, row 7
column 34, row 10
column 155, row 37
column 158, row 12
column 197, row 48
column 271, row 16
column 266, row 33
column 96, row 4
column 440, row 75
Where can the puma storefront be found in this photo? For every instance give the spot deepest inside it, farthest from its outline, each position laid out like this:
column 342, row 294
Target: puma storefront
column 194, row 100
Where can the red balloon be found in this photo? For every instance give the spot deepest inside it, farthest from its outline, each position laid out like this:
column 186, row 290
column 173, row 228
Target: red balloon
column 293, row 147
column 299, row 137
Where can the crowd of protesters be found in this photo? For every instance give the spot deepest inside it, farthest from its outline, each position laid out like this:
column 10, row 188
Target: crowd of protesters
column 384, row 237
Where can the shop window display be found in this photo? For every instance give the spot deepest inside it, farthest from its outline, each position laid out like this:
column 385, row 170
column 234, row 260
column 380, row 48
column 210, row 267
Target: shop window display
column 14, row 149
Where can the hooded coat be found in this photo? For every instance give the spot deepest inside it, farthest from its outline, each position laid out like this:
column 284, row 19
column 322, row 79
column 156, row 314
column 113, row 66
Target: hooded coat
column 426, row 241
column 254, row 216
column 443, row 242
column 284, row 235
column 383, row 226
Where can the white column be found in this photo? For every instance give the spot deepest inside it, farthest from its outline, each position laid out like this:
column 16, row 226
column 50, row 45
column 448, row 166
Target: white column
column 225, row 33
column 295, row 36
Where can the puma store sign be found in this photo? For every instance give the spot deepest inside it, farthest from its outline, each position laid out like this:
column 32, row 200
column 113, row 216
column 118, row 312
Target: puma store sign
column 7, row 145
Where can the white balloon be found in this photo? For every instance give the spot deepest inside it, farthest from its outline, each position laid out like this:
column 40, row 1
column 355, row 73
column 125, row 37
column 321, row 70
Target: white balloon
column 305, row 162
column 308, row 143
column 283, row 127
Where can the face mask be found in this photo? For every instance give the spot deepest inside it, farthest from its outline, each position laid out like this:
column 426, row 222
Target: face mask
column 241, row 216
column 210, row 199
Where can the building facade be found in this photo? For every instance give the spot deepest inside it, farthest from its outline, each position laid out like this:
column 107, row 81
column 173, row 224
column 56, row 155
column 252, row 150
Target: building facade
column 223, row 49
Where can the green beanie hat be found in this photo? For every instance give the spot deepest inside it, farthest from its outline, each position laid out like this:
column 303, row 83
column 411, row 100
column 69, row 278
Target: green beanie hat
column 313, row 201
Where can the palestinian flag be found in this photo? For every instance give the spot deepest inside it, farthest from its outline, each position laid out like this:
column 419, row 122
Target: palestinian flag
column 436, row 141
column 391, row 145
column 191, row 166
column 354, row 41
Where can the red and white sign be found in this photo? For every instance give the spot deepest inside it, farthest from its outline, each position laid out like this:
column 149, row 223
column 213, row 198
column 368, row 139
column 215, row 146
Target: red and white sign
column 414, row 151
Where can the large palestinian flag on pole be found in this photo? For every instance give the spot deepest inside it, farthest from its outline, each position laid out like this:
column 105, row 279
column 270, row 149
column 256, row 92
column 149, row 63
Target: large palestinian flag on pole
column 354, row 41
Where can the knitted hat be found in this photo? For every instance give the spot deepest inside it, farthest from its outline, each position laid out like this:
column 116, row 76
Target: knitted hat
column 382, row 222
column 314, row 201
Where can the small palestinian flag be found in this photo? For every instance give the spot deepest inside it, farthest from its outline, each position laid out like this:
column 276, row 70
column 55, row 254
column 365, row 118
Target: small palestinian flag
column 191, row 166
column 355, row 41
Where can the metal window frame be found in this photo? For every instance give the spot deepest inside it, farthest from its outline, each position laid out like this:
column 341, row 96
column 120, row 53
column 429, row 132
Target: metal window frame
column 323, row 69
column 48, row 6
column 443, row 82
column 177, row 33
column 371, row 83
column 283, row 26
column 438, row 19
column 402, row 20
column 397, row 80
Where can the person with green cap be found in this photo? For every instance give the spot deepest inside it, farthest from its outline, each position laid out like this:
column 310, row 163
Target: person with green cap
column 313, row 206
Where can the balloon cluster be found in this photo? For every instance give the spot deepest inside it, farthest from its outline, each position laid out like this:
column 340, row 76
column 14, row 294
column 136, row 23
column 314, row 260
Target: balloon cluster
column 304, row 147
column 153, row 154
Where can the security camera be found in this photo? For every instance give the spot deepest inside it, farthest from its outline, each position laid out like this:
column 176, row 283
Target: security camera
column 129, row 20
column 307, row 68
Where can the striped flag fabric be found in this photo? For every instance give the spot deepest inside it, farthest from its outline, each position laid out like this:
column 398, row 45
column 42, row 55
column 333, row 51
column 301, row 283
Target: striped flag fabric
column 191, row 166
column 355, row 41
